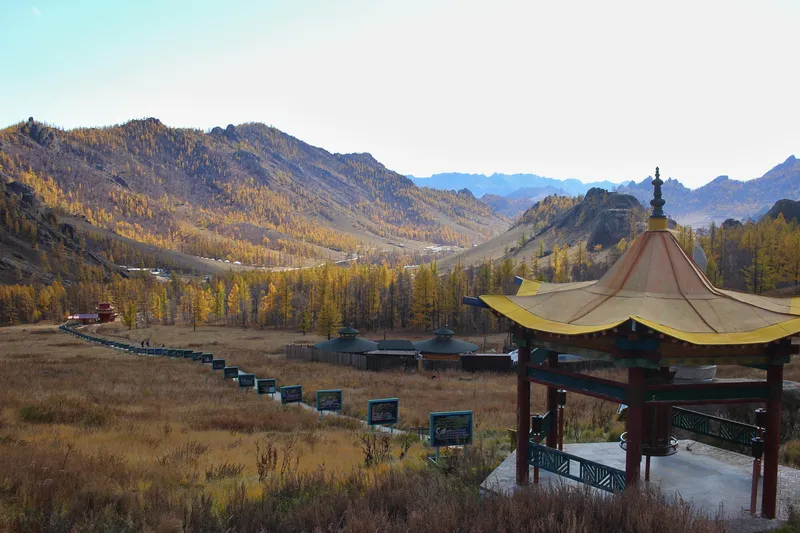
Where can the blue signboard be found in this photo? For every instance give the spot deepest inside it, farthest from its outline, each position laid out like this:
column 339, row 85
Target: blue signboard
column 453, row 428
column 247, row 381
column 383, row 411
column 292, row 394
column 217, row 364
column 230, row 372
column 266, row 386
column 329, row 400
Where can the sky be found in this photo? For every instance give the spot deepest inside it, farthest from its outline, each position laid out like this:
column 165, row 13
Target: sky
column 588, row 90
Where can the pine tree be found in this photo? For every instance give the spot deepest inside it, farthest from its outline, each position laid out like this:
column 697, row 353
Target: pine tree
column 129, row 314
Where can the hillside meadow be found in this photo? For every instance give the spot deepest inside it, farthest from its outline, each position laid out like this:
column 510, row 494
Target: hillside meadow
column 95, row 440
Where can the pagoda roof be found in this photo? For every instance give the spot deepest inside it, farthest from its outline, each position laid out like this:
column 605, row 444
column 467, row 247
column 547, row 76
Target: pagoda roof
column 655, row 284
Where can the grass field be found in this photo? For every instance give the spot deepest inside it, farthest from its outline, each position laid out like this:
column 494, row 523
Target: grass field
column 125, row 424
column 491, row 396
column 92, row 439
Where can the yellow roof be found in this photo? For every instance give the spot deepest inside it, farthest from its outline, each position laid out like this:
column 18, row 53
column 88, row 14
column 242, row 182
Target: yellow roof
column 656, row 284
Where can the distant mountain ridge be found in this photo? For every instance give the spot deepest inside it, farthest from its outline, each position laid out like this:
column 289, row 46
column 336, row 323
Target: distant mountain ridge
column 505, row 184
column 723, row 198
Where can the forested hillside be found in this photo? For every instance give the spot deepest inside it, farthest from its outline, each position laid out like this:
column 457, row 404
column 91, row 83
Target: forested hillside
column 247, row 193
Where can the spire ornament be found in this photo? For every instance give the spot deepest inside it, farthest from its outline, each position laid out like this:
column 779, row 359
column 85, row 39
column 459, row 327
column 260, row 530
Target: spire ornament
column 657, row 221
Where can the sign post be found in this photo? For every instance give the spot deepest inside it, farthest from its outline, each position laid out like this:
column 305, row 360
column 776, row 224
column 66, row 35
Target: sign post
column 384, row 411
column 329, row 400
column 292, row 394
column 266, row 386
column 451, row 428
column 247, row 381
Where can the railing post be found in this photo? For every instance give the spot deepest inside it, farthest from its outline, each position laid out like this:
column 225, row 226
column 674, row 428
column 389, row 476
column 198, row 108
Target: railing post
column 772, row 441
column 634, row 424
column 552, row 404
column 523, row 412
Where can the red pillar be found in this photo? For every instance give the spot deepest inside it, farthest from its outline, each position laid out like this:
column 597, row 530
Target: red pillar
column 523, row 413
column 772, row 441
column 634, row 425
column 552, row 404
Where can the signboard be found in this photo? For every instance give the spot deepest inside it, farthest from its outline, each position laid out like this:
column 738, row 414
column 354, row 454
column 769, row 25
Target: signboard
column 247, row 381
column 383, row 411
column 266, row 386
column 197, row 356
column 452, row 428
column 230, row 372
column 187, row 354
column 329, row 400
column 292, row 394
column 217, row 364
column 207, row 358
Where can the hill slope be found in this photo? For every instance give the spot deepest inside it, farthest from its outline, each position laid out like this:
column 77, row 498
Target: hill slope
column 597, row 221
column 250, row 193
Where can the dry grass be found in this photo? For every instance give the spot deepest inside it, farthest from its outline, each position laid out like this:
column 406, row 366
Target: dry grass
column 123, row 424
column 491, row 396
column 95, row 440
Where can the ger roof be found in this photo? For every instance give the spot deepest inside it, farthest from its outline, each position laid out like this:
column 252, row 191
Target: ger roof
column 347, row 345
column 397, row 345
column 656, row 284
column 445, row 346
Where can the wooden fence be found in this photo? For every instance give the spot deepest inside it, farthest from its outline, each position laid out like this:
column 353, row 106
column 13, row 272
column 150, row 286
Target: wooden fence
column 356, row 360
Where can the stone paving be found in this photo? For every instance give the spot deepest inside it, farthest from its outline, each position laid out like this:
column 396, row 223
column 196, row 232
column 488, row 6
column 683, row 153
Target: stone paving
column 716, row 481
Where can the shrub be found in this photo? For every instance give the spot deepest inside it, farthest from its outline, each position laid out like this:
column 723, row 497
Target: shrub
column 790, row 453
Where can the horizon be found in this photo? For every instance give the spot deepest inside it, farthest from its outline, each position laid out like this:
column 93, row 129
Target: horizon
column 507, row 88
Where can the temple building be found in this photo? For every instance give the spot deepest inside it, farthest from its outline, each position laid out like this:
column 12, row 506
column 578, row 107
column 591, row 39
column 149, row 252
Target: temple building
column 652, row 311
column 105, row 313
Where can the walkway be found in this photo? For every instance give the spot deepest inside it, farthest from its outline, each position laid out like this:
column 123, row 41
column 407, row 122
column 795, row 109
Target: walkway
column 716, row 481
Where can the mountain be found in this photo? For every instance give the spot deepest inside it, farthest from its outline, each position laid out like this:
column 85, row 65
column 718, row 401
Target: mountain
column 723, row 197
column 505, row 184
column 790, row 210
column 597, row 222
column 515, row 203
column 247, row 193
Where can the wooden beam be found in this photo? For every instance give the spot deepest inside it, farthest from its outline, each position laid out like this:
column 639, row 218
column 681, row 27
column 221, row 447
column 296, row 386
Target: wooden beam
column 700, row 393
column 604, row 389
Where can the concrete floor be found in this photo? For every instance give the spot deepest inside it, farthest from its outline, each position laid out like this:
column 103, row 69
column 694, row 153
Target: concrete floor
column 716, row 481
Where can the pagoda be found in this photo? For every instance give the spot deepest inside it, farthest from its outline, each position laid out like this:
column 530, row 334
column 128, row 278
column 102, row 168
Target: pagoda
column 105, row 312
column 654, row 309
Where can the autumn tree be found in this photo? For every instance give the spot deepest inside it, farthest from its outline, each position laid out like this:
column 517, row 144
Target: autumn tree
column 129, row 314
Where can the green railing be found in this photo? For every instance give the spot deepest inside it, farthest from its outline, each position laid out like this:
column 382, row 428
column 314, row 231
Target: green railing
column 713, row 426
column 589, row 472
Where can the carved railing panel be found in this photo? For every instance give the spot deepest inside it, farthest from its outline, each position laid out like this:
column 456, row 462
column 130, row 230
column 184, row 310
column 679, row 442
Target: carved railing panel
column 713, row 426
column 589, row 472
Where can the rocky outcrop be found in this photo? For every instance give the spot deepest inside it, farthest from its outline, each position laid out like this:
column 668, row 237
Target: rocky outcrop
column 40, row 133
column 25, row 192
column 607, row 216
column 788, row 208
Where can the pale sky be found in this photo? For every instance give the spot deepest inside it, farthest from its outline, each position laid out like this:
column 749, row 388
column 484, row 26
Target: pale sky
column 589, row 90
